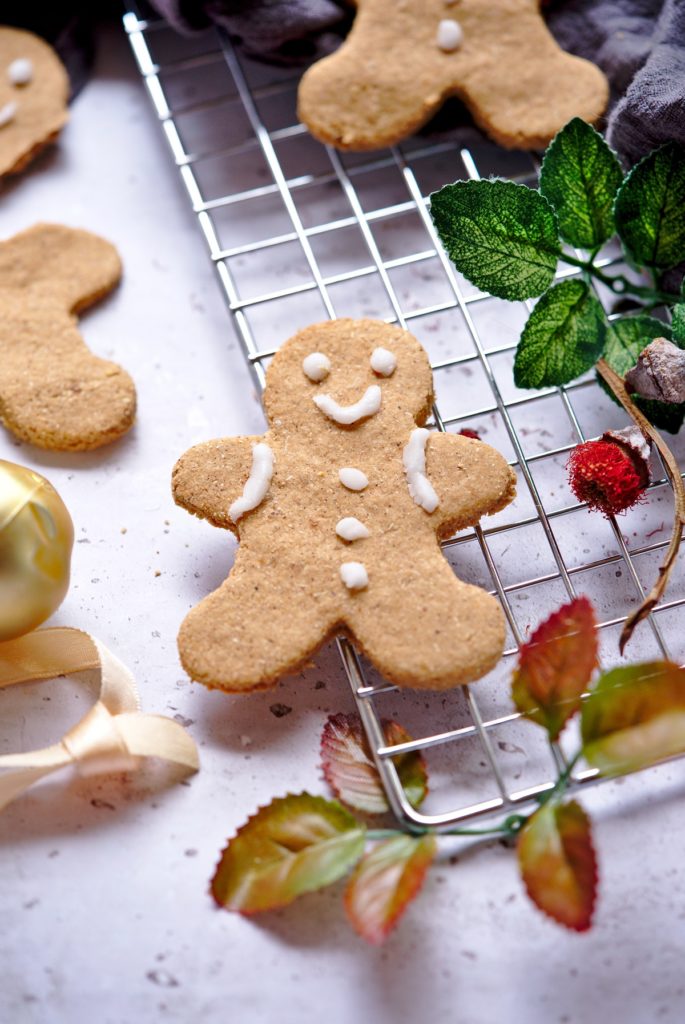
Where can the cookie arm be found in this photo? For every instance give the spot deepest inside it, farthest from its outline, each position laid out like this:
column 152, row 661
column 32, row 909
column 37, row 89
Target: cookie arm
column 470, row 478
column 211, row 476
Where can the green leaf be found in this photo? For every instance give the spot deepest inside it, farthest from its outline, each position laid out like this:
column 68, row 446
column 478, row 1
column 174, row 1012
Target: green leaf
column 558, row 864
column 580, row 176
column 649, row 208
column 349, row 769
column 556, row 665
column 385, row 881
column 564, row 337
column 502, row 236
column 295, row 845
column 678, row 323
column 634, row 717
column 625, row 339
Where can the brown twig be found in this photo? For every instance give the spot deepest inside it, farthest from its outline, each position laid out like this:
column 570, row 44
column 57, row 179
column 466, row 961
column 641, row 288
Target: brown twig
column 618, row 388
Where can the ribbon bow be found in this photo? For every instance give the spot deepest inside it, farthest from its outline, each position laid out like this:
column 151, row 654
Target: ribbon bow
column 110, row 737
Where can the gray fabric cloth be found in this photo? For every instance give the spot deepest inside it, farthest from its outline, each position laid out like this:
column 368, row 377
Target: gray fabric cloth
column 639, row 44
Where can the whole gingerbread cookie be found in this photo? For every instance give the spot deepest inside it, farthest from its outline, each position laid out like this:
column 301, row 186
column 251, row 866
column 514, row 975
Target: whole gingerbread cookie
column 403, row 58
column 339, row 508
column 34, row 89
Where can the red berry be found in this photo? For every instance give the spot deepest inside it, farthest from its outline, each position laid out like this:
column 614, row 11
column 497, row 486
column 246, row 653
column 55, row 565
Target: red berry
column 609, row 476
column 467, row 432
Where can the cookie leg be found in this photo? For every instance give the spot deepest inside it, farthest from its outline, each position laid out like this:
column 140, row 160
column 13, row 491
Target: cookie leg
column 431, row 631
column 247, row 634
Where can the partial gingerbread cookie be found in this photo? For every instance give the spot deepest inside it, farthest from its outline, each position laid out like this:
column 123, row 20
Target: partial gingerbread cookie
column 339, row 508
column 34, row 89
column 54, row 392
column 403, row 58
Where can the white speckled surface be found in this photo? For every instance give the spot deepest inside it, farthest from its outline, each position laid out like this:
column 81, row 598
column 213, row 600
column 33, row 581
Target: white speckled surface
column 103, row 892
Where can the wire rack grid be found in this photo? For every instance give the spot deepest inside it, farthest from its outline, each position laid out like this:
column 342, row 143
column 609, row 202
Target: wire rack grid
column 315, row 233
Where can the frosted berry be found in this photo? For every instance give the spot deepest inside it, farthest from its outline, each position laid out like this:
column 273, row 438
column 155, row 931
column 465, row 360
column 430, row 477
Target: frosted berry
column 609, row 475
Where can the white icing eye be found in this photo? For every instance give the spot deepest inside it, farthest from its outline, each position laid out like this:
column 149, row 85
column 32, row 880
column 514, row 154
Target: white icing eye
column 449, row 36
column 316, row 366
column 383, row 362
column 7, row 113
column 20, row 71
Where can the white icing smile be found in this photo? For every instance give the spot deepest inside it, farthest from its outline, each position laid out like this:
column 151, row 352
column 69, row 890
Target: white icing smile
column 354, row 575
column 316, row 366
column 414, row 462
column 368, row 405
column 257, row 484
column 351, row 529
column 8, row 113
column 383, row 362
column 353, row 479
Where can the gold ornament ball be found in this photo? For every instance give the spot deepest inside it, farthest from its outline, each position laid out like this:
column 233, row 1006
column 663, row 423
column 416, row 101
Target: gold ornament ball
column 36, row 538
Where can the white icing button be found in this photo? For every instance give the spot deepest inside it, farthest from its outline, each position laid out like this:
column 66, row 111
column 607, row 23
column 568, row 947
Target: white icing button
column 414, row 462
column 368, row 405
column 450, row 35
column 20, row 71
column 350, row 528
column 354, row 575
column 257, row 484
column 383, row 362
column 316, row 366
column 7, row 113
column 353, row 479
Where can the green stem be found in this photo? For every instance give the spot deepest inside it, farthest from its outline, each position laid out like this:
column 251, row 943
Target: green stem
column 620, row 284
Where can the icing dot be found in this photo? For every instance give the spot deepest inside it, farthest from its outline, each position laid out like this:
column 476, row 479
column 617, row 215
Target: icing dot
column 346, row 415
column 353, row 479
column 7, row 113
column 383, row 362
column 414, row 461
column 351, row 529
column 354, row 575
column 316, row 366
column 450, row 35
column 257, row 484
column 20, row 71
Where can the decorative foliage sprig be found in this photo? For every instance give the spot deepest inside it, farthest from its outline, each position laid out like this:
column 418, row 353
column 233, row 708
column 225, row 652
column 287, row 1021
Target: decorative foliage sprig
column 631, row 718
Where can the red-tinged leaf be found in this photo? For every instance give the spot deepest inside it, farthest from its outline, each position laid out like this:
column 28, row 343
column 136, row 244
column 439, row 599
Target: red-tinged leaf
column 349, row 770
column 385, row 881
column 556, row 665
column 634, row 717
column 295, row 845
column 558, row 864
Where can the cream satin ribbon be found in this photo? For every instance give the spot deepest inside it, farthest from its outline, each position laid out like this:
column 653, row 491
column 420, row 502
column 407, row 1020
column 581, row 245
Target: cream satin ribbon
column 110, row 737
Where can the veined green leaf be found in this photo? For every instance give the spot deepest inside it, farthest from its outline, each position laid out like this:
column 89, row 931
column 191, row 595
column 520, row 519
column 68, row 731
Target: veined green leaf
column 558, row 864
column 649, row 208
column 384, row 882
column 678, row 323
column 580, row 176
column 634, row 717
column 564, row 337
column 556, row 665
column 502, row 236
column 625, row 339
column 349, row 769
column 295, row 845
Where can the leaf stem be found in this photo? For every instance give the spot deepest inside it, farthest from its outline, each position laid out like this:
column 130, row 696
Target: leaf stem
column 620, row 284
column 509, row 827
column 615, row 383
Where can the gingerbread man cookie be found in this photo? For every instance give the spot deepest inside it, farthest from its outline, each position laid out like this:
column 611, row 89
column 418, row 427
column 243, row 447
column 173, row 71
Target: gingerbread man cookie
column 403, row 58
column 338, row 508
column 54, row 392
column 34, row 89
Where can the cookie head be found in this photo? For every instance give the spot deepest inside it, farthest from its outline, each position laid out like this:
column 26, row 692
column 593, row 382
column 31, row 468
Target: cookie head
column 34, row 89
column 345, row 373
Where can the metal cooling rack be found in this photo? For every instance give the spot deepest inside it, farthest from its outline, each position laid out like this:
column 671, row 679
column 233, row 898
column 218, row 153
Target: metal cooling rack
column 319, row 227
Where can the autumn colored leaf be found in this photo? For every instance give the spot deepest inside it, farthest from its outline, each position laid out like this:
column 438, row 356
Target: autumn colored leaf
column 634, row 717
column 385, row 881
column 349, row 769
column 295, row 845
column 558, row 864
column 555, row 666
